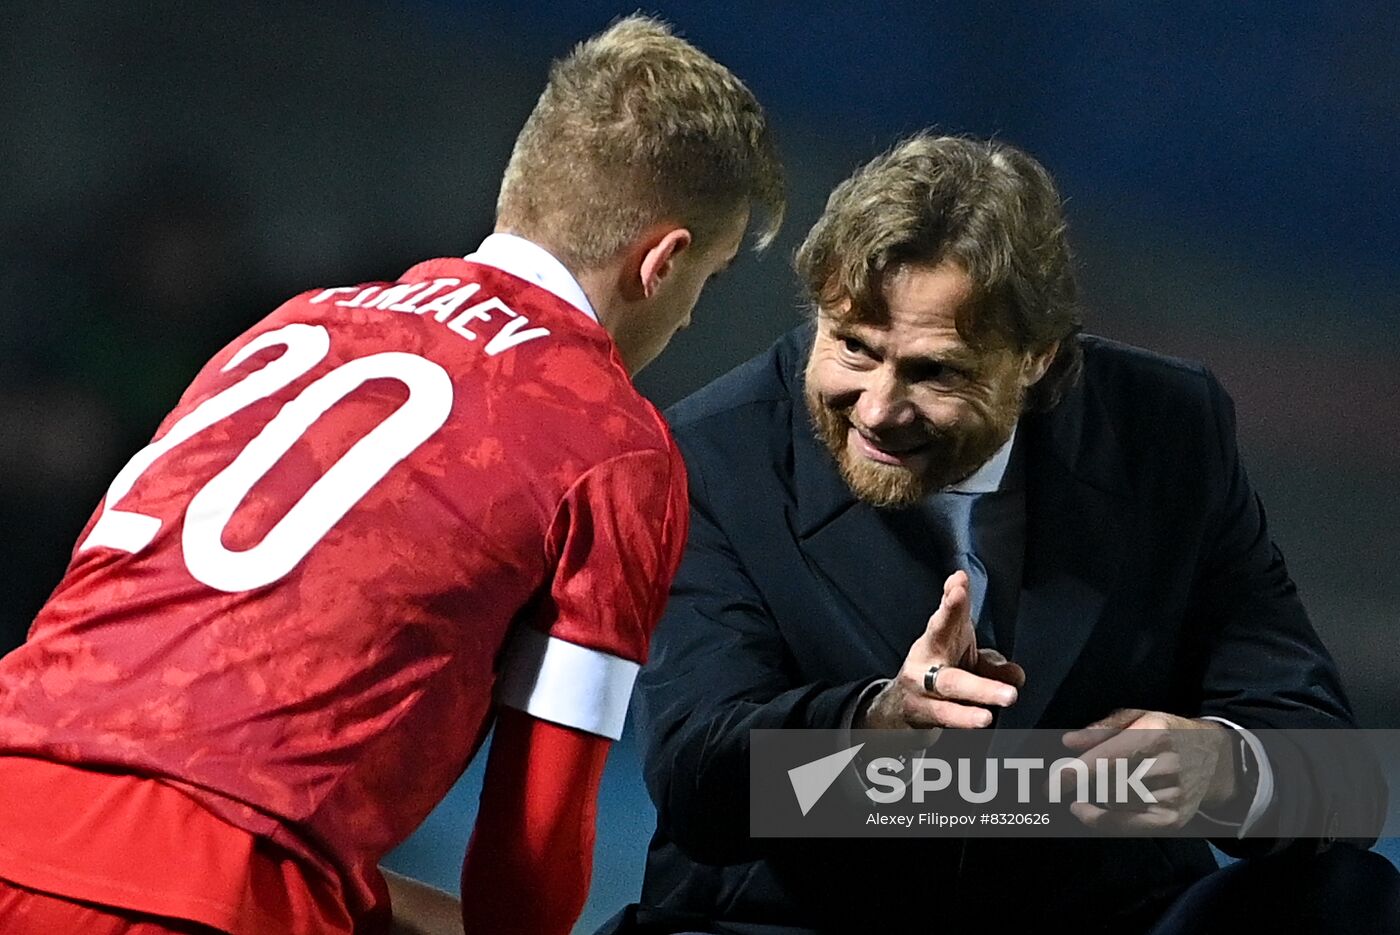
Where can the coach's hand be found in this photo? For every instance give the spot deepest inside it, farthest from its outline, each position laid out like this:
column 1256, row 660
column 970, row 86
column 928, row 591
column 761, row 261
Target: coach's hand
column 969, row 683
column 1194, row 766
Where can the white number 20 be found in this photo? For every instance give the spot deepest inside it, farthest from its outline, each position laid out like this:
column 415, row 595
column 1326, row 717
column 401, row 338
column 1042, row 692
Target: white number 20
column 325, row 502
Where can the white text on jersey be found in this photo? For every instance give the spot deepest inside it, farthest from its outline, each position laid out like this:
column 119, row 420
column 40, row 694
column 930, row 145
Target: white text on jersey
column 429, row 298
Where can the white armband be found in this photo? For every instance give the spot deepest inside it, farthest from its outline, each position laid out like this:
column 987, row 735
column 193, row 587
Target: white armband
column 565, row 683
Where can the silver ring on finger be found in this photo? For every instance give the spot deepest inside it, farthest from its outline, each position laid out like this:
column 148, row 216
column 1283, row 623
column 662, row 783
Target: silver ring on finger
column 931, row 679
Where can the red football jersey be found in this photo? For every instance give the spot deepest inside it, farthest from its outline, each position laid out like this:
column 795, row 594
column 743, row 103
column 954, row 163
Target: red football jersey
column 370, row 514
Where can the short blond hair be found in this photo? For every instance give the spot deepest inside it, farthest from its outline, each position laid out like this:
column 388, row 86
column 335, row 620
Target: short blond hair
column 634, row 127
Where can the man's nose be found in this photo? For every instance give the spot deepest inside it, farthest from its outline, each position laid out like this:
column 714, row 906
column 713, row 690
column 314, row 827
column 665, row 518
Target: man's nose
column 884, row 404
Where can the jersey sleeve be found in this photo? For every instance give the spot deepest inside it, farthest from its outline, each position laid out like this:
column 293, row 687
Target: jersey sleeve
column 615, row 544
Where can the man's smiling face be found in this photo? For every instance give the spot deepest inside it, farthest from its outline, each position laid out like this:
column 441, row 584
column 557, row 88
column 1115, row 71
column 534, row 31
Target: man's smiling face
column 906, row 406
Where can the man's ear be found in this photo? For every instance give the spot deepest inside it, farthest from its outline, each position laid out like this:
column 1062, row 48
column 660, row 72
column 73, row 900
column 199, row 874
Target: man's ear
column 1037, row 365
column 655, row 260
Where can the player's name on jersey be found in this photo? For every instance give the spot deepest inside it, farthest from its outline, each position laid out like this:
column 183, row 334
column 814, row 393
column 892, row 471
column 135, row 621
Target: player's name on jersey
column 443, row 300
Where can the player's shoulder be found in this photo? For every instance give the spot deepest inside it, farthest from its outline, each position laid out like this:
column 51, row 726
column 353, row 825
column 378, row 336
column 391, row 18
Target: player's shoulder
column 541, row 368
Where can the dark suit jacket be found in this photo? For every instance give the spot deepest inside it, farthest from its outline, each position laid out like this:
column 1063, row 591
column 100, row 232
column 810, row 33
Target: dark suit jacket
column 1150, row 581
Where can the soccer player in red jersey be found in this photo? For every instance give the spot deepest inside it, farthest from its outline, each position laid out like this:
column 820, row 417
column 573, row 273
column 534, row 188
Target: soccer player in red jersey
column 385, row 519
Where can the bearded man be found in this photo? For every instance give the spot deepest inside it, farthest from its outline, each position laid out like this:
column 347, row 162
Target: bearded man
column 938, row 504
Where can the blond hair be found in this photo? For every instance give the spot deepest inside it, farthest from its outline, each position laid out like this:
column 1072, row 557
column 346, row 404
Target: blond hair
column 634, row 127
column 985, row 205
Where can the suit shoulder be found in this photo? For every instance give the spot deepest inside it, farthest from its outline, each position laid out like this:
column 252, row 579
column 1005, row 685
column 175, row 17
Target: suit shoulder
column 1116, row 358
column 759, row 385
column 1115, row 370
column 1164, row 414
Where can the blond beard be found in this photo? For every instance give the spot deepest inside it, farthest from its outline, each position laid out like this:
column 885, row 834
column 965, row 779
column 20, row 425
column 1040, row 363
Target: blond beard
column 954, row 457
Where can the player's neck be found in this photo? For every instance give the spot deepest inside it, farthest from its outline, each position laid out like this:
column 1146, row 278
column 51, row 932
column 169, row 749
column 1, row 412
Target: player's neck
column 613, row 290
column 604, row 294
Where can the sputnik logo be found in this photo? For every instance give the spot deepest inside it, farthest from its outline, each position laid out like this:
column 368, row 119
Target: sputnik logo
column 811, row 780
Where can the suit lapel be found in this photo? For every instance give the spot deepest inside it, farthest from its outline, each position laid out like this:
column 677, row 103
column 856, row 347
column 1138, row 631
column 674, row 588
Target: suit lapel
column 1078, row 513
column 878, row 563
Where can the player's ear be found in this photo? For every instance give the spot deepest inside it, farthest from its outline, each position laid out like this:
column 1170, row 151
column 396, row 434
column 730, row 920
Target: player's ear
column 653, row 259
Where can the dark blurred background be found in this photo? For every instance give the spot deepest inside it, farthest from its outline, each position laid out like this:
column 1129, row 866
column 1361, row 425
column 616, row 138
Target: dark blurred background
column 171, row 171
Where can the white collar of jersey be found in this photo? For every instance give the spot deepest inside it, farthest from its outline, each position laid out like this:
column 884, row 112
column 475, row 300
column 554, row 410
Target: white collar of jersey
column 533, row 263
column 987, row 478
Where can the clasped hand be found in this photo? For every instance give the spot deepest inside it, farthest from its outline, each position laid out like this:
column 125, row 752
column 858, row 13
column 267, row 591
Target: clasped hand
column 1194, row 765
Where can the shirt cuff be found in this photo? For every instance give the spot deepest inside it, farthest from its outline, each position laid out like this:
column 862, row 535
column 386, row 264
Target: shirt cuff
column 1263, row 788
column 861, row 701
column 565, row 683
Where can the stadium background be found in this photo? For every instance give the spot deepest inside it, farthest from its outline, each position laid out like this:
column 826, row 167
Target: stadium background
column 169, row 172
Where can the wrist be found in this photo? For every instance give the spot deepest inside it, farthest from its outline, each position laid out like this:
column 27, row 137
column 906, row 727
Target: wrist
column 872, row 706
column 1228, row 784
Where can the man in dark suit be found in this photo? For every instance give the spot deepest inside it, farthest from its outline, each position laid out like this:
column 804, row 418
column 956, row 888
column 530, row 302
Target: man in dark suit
column 939, row 504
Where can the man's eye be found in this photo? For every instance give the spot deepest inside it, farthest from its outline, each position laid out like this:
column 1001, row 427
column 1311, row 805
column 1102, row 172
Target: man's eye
column 935, row 373
column 853, row 347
